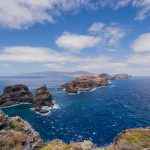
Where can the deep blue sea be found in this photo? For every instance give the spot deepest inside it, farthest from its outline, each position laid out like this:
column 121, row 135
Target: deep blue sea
column 97, row 115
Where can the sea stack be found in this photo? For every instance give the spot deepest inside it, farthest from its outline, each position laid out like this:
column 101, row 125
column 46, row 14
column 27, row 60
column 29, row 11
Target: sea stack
column 19, row 94
column 15, row 94
column 43, row 100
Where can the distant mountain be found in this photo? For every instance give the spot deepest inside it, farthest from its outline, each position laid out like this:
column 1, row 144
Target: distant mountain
column 50, row 74
column 55, row 74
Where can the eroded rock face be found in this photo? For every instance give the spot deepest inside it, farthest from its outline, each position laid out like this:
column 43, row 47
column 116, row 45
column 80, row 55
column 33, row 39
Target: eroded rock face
column 15, row 94
column 18, row 135
column 3, row 121
column 84, row 83
column 133, row 139
column 59, row 145
column 42, row 98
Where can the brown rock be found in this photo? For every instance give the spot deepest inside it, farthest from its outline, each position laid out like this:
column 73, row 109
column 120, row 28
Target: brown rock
column 18, row 135
column 15, row 94
column 85, row 83
column 42, row 98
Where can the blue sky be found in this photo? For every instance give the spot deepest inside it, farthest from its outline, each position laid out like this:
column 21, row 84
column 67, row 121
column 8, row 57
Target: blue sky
column 110, row 36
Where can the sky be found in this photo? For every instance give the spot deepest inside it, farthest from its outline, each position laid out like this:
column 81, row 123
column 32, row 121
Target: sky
column 111, row 36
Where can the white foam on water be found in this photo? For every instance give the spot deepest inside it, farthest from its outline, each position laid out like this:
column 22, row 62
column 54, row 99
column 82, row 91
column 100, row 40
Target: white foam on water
column 48, row 109
column 17, row 104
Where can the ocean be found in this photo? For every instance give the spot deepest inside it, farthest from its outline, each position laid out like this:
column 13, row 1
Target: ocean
column 98, row 115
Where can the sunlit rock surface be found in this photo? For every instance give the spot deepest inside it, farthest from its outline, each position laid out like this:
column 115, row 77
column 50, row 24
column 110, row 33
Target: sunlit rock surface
column 16, row 134
column 42, row 99
column 131, row 139
column 15, row 94
column 85, row 83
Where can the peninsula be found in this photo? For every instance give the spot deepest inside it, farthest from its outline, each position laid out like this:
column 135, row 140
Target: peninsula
column 89, row 82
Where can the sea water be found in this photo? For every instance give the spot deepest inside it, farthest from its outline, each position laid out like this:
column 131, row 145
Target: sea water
column 97, row 116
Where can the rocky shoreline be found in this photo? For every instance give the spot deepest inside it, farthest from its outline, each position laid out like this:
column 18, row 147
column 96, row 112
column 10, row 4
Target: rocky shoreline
column 20, row 94
column 17, row 134
column 89, row 82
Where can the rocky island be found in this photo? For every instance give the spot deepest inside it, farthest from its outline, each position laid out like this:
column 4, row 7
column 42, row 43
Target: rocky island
column 120, row 77
column 17, row 134
column 85, row 83
column 89, row 82
column 42, row 100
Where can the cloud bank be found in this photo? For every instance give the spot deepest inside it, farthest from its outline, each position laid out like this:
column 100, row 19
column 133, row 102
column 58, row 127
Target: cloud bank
column 18, row 14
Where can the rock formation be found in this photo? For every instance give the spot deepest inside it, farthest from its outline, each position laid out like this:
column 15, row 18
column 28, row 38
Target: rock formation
column 15, row 94
column 42, row 98
column 16, row 134
column 85, row 83
column 88, row 82
column 132, row 139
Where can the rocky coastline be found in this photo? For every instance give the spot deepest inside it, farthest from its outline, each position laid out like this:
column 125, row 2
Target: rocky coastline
column 17, row 134
column 89, row 82
column 20, row 94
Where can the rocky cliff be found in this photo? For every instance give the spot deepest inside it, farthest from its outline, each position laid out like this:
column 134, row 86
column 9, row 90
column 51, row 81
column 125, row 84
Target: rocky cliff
column 85, row 83
column 132, row 139
column 88, row 82
column 16, row 134
column 17, row 94
column 42, row 99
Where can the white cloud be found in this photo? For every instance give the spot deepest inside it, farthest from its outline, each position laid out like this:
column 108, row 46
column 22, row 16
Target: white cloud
column 23, row 13
column 143, row 7
column 76, row 41
column 111, row 34
column 142, row 43
column 19, row 14
column 96, row 27
column 29, row 59
column 27, row 54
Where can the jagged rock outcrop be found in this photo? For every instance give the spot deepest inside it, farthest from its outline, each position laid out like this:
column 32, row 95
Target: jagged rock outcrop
column 85, row 83
column 15, row 94
column 88, row 82
column 59, row 145
column 42, row 98
column 131, row 139
column 16, row 134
